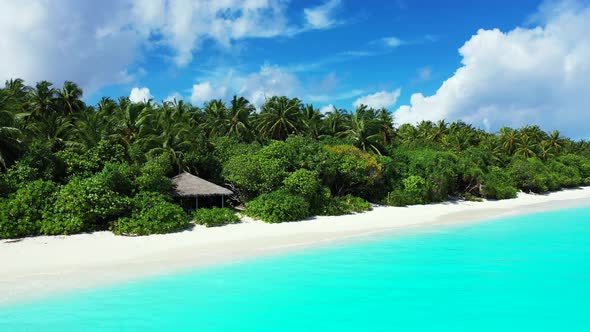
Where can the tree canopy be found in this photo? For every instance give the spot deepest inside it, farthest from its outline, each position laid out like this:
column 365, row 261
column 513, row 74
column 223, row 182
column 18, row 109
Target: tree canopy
column 68, row 167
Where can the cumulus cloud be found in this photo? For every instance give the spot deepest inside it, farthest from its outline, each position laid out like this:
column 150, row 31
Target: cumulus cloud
column 321, row 17
column 203, row 92
column 64, row 40
column 382, row 99
column 538, row 75
column 256, row 86
column 174, row 96
column 97, row 43
column 327, row 108
column 139, row 95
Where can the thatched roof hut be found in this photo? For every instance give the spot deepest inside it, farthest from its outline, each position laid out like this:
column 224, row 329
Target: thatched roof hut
column 188, row 185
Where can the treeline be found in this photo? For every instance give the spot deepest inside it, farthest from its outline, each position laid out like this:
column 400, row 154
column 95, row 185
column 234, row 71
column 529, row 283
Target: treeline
column 67, row 167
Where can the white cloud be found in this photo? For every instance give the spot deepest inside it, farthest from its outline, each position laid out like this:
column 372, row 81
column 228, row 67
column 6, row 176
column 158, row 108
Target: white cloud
column 139, row 95
column 392, row 42
column 537, row 75
column 321, row 17
column 204, row 92
column 64, row 40
column 97, row 43
column 256, row 86
column 327, row 108
column 382, row 99
column 174, row 96
column 183, row 25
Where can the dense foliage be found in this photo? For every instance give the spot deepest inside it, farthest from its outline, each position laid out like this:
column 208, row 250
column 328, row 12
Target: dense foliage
column 68, row 167
column 215, row 217
column 152, row 213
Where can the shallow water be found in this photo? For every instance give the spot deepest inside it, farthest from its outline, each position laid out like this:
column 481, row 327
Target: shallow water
column 525, row 273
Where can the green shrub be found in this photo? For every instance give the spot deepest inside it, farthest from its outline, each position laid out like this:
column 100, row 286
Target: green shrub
column 21, row 214
column 278, row 206
column 153, row 175
column 152, row 213
column 497, row 184
column 85, row 164
column 396, row 198
column 304, row 183
column 254, row 174
column 83, row 205
column 530, row 175
column 215, row 217
column 118, row 178
column 345, row 205
column 416, row 190
column 471, row 197
column 565, row 176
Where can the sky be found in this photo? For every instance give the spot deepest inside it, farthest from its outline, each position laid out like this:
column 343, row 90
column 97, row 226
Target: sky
column 489, row 63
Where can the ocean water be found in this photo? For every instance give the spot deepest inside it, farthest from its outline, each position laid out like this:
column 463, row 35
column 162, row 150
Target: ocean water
column 525, row 273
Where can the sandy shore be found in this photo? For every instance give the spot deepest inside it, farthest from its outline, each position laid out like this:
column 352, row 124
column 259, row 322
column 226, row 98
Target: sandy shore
column 37, row 267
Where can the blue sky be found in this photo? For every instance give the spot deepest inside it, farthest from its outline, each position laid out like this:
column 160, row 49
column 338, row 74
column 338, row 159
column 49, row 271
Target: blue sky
column 492, row 63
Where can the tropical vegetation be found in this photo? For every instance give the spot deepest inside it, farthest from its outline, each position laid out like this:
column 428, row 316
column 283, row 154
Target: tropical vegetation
column 68, row 167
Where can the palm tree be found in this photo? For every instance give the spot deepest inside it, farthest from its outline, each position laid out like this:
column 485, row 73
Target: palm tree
column 335, row 121
column 364, row 130
column 238, row 118
column 69, row 98
column 424, row 129
column 508, row 139
column 555, row 141
column 407, row 134
column 385, row 123
column 216, row 118
column 312, row 121
column 526, row 146
column 546, row 150
column 41, row 100
column 10, row 139
column 439, row 131
column 279, row 118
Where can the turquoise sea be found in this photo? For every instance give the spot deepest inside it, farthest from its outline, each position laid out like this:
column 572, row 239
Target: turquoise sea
column 525, row 273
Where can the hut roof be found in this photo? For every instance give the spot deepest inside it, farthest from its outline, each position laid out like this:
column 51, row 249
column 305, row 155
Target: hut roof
column 188, row 185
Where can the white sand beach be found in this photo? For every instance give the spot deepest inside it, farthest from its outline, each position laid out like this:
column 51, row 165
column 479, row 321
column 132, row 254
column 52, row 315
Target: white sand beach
column 39, row 266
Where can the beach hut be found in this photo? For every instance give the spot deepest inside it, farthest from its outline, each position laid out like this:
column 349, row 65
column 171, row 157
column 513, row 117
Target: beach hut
column 187, row 185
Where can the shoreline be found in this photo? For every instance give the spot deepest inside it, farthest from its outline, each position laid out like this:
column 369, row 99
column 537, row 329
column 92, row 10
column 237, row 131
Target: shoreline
column 36, row 267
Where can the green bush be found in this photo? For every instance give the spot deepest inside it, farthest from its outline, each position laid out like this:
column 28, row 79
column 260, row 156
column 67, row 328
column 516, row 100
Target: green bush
column 152, row 213
column 153, row 175
column 215, row 217
column 416, row 189
column 85, row 164
column 564, row 175
column 530, row 175
column 345, row 205
column 471, row 197
column 278, row 206
column 304, row 183
column 255, row 174
column 497, row 184
column 395, row 198
column 21, row 214
column 83, row 205
column 118, row 178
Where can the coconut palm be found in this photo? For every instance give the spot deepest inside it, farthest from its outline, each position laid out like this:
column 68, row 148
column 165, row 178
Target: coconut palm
column 335, row 121
column 10, row 139
column 312, row 121
column 41, row 100
column 279, row 118
column 238, row 120
column 364, row 130
column 69, row 97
